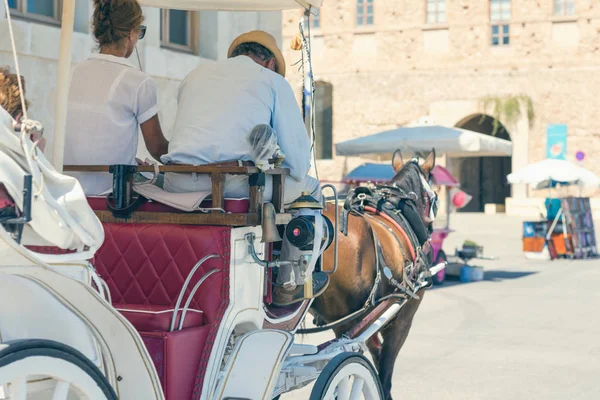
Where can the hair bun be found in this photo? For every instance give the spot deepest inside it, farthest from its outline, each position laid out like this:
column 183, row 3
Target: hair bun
column 103, row 6
column 113, row 20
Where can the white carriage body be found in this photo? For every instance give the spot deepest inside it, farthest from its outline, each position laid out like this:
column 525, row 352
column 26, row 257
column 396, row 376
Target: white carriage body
column 186, row 343
column 58, row 302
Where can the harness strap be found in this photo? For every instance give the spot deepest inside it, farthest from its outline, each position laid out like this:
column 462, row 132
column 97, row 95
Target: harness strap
column 407, row 286
column 378, row 262
column 393, row 234
column 402, row 231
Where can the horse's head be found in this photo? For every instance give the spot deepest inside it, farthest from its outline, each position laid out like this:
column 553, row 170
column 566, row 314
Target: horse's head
column 415, row 181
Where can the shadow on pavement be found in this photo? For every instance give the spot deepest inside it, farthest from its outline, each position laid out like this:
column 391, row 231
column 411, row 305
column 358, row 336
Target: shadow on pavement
column 490, row 276
column 504, row 275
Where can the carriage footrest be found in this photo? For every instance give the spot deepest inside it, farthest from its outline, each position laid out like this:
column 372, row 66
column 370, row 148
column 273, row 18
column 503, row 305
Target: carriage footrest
column 262, row 349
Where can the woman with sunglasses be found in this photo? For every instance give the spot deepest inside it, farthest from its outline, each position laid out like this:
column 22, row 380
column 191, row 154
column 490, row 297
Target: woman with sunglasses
column 109, row 99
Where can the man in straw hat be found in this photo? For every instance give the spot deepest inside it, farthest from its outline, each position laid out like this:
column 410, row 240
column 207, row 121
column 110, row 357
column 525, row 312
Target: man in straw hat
column 220, row 104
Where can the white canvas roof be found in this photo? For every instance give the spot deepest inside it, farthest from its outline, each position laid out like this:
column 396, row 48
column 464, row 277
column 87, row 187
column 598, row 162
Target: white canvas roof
column 233, row 5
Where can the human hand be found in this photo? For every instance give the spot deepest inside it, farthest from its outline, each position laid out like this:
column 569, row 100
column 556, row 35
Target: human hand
column 37, row 136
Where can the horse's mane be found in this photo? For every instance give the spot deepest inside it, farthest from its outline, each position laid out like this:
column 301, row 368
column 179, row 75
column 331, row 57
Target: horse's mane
column 409, row 178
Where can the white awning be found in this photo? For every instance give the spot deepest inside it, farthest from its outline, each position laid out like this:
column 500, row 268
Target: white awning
column 232, row 5
column 453, row 142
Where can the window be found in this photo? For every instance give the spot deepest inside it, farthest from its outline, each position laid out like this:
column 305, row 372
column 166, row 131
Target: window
column 364, row 12
column 315, row 20
column 436, row 11
column 323, row 120
column 177, row 30
column 564, row 7
column 500, row 35
column 500, row 10
column 42, row 10
column 499, row 13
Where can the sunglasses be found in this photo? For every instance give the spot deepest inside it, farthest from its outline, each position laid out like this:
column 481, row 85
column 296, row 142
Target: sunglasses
column 142, row 31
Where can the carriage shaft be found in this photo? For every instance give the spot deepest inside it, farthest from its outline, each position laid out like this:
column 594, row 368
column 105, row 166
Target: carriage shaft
column 380, row 322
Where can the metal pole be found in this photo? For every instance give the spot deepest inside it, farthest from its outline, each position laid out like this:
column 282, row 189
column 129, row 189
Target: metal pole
column 335, row 229
column 62, row 90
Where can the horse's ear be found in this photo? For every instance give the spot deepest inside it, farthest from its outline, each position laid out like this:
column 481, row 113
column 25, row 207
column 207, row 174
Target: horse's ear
column 429, row 162
column 397, row 162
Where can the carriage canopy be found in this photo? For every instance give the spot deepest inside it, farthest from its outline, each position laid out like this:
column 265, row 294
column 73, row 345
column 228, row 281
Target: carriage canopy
column 233, row 5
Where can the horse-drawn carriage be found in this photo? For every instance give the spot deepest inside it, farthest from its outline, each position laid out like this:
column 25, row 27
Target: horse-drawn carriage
column 134, row 296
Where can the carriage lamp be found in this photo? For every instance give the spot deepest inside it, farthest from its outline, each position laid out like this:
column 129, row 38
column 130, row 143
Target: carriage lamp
column 300, row 232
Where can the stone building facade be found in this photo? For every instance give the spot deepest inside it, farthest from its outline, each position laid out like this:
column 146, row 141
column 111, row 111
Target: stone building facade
column 387, row 63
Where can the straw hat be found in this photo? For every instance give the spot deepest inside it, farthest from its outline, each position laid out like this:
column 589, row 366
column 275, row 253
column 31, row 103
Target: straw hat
column 262, row 38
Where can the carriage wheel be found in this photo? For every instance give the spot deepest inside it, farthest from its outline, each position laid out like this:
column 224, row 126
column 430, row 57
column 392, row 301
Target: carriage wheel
column 44, row 369
column 349, row 376
column 440, row 277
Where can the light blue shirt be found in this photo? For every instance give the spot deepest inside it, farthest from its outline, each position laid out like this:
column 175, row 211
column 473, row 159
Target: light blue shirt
column 219, row 104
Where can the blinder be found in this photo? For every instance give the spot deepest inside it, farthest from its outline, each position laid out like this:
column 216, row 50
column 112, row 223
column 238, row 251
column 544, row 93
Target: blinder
column 431, row 194
column 433, row 199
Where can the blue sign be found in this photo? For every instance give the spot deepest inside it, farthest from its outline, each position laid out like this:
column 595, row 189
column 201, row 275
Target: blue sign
column 556, row 141
column 580, row 155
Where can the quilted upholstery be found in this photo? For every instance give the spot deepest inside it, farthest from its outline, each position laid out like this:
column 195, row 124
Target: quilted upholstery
column 147, row 264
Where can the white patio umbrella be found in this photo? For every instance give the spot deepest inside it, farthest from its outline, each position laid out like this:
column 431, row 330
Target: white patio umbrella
column 454, row 142
column 548, row 173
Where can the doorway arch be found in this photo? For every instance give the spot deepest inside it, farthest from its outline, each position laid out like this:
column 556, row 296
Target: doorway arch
column 484, row 178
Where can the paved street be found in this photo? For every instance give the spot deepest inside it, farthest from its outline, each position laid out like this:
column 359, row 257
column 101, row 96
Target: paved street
column 530, row 330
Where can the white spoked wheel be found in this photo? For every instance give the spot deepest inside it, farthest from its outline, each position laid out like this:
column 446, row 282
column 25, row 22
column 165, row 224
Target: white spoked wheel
column 42, row 369
column 349, row 376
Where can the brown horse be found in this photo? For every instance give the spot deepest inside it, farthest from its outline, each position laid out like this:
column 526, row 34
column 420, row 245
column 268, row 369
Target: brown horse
column 351, row 284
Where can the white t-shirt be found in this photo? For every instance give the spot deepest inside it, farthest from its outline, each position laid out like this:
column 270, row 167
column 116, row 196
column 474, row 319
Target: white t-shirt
column 108, row 100
column 220, row 103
